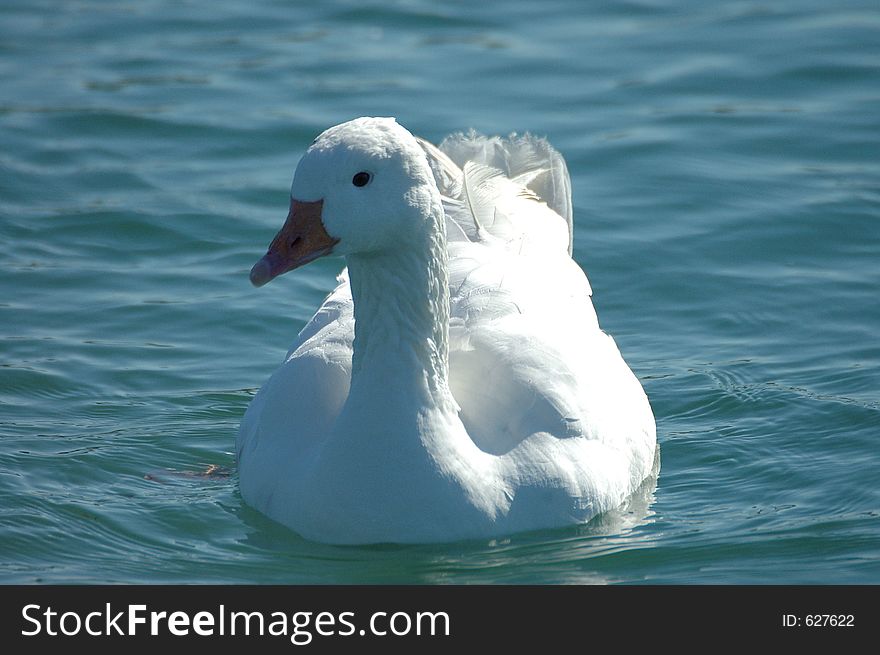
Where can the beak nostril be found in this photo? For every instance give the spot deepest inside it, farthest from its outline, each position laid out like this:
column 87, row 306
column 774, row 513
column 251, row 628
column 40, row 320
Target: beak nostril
column 300, row 240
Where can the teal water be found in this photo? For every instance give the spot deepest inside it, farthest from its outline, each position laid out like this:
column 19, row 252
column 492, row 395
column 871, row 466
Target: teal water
column 725, row 162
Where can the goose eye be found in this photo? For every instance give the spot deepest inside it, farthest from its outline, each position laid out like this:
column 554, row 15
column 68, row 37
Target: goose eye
column 361, row 179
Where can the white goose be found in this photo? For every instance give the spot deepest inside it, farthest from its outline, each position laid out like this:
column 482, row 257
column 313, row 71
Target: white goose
column 456, row 384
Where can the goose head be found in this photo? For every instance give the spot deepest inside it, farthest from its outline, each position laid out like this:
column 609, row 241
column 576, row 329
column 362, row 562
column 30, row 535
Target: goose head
column 362, row 187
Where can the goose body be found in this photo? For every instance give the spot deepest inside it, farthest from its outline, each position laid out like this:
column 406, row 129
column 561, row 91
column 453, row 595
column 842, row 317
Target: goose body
column 456, row 383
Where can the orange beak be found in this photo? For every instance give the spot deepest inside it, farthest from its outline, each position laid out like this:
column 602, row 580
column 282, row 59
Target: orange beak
column 302, row 239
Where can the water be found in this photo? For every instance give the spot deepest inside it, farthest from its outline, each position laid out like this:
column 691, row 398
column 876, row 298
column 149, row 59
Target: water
column 724, row 161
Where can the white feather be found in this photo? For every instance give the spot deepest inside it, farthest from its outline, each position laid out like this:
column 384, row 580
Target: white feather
column 489, row 405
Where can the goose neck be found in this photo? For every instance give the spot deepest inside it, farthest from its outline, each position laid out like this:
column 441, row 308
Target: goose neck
column 401, row 311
